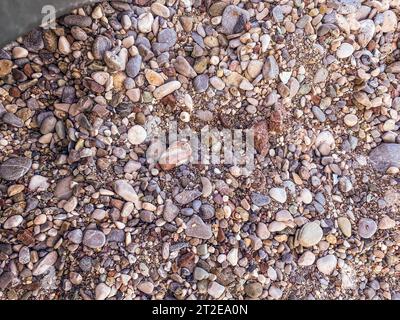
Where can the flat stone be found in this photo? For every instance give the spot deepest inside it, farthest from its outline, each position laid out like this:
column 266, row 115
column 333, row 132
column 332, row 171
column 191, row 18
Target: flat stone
column 167, row 36
column 63, row 190
column 146, row 287
column 389, row 23
column 38, row 183
column 94, row 239
column 187, row 196
column 15, row 168
column 160, row 10
column 384, row 156
column 344, row 51
column 196, row 228
column 5, row 279
column 366, row 32
column 45, row 263
column 170, row 211
column 75, row 236
column 183, row 67
column 101, row 44
column 12, row 120
column 177, row 154
column 201, row 83
column 77, row 20
column 386, row 223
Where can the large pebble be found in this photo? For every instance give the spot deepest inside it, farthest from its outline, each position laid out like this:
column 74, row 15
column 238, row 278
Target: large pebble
column 384, row 156
column 166, row 89
column 367, row 228
column 13, row 222
column 196, row 228
column 15, row 168
column 310, row 234
column 94, row 239
column 183, row 67
column 125, row 191
column 137, row 135
column 45, row 263
column 102, row 291
column 234, row 19
column 278, row 194
column 327, row 264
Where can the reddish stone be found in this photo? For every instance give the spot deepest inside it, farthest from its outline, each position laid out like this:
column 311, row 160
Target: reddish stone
column 276, row 122
column 169, row 100
column 261, row 137
column 187, row 261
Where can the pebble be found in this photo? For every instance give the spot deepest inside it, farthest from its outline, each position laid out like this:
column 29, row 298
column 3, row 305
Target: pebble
column 327, row 264
column 344, row 226
column 366, row 228
column 38, row 183
column 63, row 46
column 145, row 22
column 177, row 154
column 253, row 289
column 233, row 19
column 125, row 191
column 270, row 69
column 278, row 194
column 310, row 234
column 15, row 168
column 183, row 67
column 382, row 157
column 386, row 223
column 137, row 135
column 201, row 82
column 12, row 120
column 45, row 263
column 215, row 290
column 344, row 51
column 350, row 120
column 389, row 21
column 94, row 239
column 166, row 89
column 196, row 228
column 102, row 291
column 146, row 287
column 160, row 10
column 306, row 259
column 13, row 222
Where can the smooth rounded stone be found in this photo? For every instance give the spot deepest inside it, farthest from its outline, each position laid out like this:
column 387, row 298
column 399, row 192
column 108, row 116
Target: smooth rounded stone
column 145, row 22
column 167, row 36
column 366, row 228
column 386, row 223
column 234, row 19
column 153, row 77
column 19, row 53
column 366, row 32
column 12, row 120
column 283, row 216
column 270, row 69
column 321, row 75
column 350, row 120
column 327, row 264
column 201, row 83
column 64, row 46
column 254, row 68
column 170, row 211
column 306, row 259
column 384, row 156
column 38, row 183
column 310, row 234
column 116, row 235
column 45, row 263
column 137, row 135
column 102, row 291
column 278, row 194
column 207, row 187
column 71, row 204
column 146, row 287
column 94, row 239
column 196, row 228
column 100, row 46
column 207, row 211
column 133, row 94
column 344, row 51
column 217, row 83
column 275, row 293
column 276, row 226
column 125, row 191
column 262, row 231
column 160, row 10
column 344, row 226
column 15, row 168
column 13, row 222
column 48, row 125
column 253, row 289
column 5, row 67
column 306, row 196
column 183, row 67
column 215, row 289
column 75, row 236
column 259, row 199
column 166, row 89
column 389, row 23
column 77, row 20
column 63, row 190
column 319, row 114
